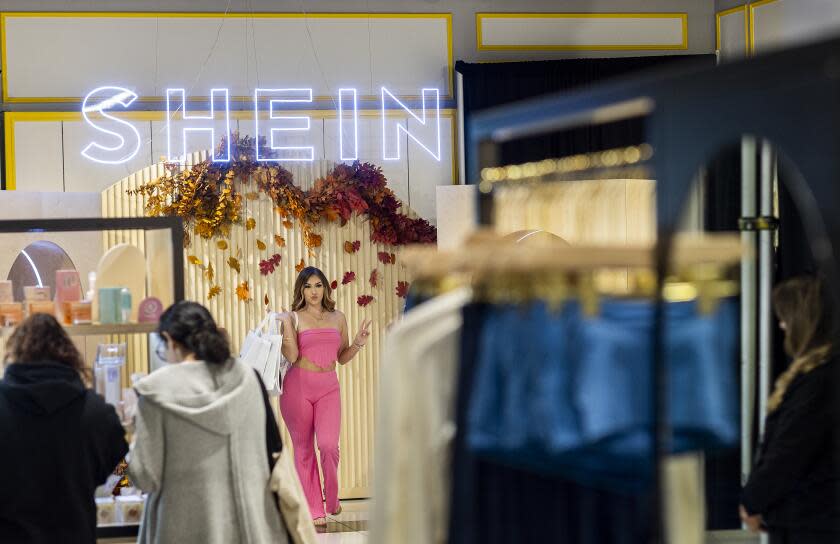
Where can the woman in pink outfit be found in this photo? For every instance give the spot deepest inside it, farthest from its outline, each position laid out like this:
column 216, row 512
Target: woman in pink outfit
column 315, row 338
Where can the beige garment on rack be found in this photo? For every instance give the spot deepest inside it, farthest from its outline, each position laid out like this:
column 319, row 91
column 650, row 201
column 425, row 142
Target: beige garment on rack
column 416, row 424
column 685, row 499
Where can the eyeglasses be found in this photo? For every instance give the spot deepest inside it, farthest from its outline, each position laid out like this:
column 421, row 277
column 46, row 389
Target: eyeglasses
column 161, row 350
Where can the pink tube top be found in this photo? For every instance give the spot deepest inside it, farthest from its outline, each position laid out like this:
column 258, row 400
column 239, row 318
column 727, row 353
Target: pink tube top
column 320, row 346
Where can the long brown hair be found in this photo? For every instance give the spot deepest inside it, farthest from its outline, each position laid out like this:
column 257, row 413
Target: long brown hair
column 40, row 339
column 299, row 303
column 803, row 306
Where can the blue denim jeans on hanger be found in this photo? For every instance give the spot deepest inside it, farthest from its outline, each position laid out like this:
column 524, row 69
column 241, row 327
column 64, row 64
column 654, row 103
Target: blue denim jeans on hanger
column 614, row 361
column 572, row 395
column 520, row 405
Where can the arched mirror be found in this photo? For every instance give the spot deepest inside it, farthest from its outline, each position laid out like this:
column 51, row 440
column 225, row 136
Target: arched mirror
column 36, row 265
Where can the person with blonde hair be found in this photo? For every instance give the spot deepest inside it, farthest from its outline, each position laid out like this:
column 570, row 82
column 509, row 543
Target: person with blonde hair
column 793, row 492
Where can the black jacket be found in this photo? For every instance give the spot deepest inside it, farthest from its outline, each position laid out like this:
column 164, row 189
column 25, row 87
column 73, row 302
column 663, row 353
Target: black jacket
column 796, row 481
column 58, row 442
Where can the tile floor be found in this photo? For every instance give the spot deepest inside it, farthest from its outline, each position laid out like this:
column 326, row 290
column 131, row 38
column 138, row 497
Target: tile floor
column 349, row 527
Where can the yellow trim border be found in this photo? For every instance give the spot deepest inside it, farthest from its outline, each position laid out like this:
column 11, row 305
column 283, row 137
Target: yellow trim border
column 753, row 7
column 447, row 17
column 480, row 46
column 12, row 117
column 721, row 14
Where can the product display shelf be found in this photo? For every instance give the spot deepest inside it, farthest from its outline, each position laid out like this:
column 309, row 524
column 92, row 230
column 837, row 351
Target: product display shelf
column 93, row 329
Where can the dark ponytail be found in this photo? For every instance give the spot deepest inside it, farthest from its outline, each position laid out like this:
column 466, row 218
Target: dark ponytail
column 191, row 325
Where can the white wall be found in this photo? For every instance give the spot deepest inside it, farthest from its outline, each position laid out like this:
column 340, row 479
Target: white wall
column 778, row 23
column 83, row 248
column 400, row 53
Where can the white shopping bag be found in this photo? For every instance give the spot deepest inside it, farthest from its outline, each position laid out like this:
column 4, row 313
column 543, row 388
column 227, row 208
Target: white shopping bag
column 262, row 351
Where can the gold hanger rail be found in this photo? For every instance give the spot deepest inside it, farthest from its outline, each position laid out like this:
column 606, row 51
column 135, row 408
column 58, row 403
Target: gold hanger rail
column 486, row 252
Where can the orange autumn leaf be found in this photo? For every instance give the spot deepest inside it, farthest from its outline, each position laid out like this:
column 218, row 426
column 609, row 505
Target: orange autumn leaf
column 312, row 240
column 250, row 223
column 331, row 213
column 252, row 196
column 261, row 245
column 243, row 292
column 221, row 244
column 348, row 247
column 288, row 224
column 194, row 260
column 209, row 273
column 215, row 290
column 265, row 300
column 300, row 266
column 233, row 263
column 279, row 241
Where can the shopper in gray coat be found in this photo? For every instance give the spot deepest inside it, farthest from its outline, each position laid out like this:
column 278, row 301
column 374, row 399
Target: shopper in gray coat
column 200, row 441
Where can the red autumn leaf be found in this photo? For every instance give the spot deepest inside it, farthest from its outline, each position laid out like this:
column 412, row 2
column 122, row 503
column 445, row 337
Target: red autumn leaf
column 334, row 284
column 352, row 247
column 386, row 258
column 364, row 300
column 267, row 266
column 374, row 278
column 402, row 289
column 348, row 278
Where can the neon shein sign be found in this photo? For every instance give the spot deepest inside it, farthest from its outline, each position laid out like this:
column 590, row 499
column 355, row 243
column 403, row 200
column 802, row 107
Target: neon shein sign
column 123, row 139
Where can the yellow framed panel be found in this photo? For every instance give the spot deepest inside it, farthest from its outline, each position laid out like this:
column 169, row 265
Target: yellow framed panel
column 683, row 17
column 753, row 7
column 200, row 15
column 10, row 118
column 739, row 9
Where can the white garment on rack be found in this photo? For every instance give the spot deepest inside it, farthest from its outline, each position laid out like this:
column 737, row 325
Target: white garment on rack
column 416, row 424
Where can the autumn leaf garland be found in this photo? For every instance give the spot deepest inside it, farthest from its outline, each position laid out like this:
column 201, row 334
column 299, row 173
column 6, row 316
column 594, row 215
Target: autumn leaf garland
column 206, row 196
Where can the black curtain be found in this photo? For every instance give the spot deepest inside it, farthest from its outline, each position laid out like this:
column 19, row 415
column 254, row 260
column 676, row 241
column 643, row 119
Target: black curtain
column 722, row 209
column 495, row 84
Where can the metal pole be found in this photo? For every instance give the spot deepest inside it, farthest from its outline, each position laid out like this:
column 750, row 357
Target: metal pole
column 748, row 306
column 765, row 284
column 462, row 154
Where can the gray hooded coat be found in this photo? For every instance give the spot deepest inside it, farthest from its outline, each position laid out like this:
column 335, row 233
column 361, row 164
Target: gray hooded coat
column 200, row 453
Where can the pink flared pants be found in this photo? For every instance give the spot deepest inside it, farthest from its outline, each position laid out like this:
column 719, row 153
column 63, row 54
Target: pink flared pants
column 311, row 407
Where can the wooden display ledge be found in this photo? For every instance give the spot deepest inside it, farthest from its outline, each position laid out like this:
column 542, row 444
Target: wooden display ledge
column 95, row 329
column 110, row 328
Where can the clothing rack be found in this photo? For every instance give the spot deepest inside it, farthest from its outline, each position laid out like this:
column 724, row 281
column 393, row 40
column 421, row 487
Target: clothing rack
column 690, row 115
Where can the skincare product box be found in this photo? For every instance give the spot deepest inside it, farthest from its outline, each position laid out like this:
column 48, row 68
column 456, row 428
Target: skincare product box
column 11, row 313
column 40, row 307
column 110, row 304
column 36, row 294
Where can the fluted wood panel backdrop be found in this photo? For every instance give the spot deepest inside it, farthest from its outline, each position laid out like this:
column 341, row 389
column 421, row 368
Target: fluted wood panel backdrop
column 359, row 378
column 612, row 211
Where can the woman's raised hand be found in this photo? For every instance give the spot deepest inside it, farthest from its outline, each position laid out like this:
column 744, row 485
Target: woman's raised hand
column 363, row 334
